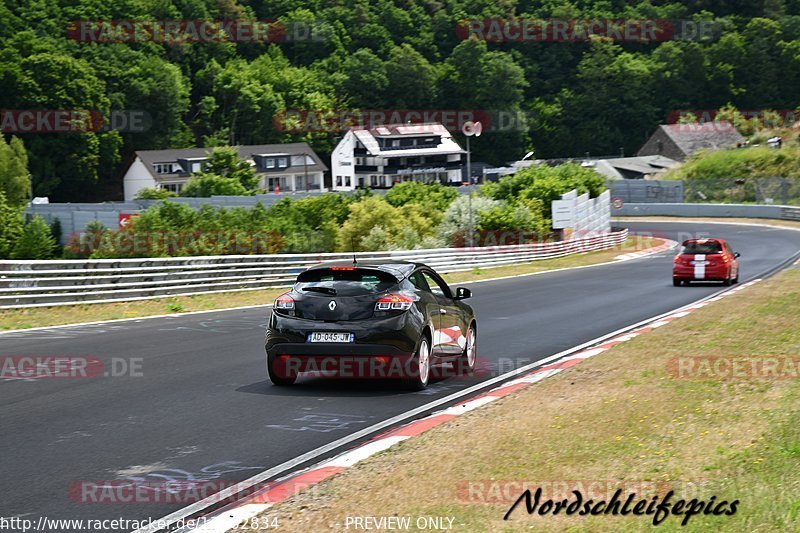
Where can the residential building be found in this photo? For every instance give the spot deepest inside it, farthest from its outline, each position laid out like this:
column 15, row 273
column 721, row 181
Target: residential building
column 382, row 156
column 290, row 167
column 679, row 141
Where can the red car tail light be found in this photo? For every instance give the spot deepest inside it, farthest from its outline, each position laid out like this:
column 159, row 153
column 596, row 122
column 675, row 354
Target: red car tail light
column 394, row 302
column 682, row 260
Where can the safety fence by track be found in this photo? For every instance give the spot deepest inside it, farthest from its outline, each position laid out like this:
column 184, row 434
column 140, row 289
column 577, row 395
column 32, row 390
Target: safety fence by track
column 68, row 282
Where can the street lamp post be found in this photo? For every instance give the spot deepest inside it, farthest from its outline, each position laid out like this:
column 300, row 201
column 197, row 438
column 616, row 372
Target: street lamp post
column 469, row 129
column 469, row 202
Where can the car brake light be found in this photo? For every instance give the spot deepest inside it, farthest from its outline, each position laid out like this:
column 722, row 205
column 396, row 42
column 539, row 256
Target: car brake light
column 342, row 268
column 394, row 302
column 284, row 301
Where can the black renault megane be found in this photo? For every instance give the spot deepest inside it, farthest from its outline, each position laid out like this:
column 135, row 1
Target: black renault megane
column 372, row 319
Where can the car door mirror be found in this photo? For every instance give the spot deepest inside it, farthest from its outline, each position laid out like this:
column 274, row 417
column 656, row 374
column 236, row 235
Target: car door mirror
column 736, row 254
column 462, row 293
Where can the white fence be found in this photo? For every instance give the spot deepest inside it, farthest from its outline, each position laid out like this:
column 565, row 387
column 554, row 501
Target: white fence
column 582, row 215
column 49, row 283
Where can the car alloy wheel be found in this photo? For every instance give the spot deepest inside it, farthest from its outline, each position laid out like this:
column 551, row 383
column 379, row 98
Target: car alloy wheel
column 424, row 362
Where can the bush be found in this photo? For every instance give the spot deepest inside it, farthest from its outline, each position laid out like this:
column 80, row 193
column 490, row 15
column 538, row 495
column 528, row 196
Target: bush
column 545, row 184
column 36, row 241
column 154, row 194
column 401, row 227
column 712, row 176
column 456, row 218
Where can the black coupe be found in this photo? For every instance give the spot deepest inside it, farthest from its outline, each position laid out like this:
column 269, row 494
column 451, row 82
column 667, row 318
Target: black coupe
column 372, row 319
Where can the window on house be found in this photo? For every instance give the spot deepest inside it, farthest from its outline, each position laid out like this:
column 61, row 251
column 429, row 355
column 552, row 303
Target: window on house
column 282, row 162
column 395, row 142
column 347, row 181
column 172, row 187
column 338, row 181
column 270, row 162
column 163, row 168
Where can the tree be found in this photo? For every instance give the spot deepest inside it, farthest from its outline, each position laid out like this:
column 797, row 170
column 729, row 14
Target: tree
column 365, row 79
column 15, row 180
column 11, row 223
column 412, row 80
column 224, row 161
column 435, row 195
column 63, row 165
column 36, row 241
column 206, row 185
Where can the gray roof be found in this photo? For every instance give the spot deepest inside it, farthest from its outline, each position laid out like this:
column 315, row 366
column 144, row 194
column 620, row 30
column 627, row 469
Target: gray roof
column 150, row 157
column 691, row 138
column 644, row 165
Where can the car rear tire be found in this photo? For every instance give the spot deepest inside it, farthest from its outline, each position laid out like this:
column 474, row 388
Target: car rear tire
column 281, row 379
column 727, row 282
column 466, row 363
column 420, row 367
column 676, row 282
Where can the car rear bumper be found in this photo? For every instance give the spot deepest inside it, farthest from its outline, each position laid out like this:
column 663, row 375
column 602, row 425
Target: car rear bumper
column 395, row 336
column 709, row 273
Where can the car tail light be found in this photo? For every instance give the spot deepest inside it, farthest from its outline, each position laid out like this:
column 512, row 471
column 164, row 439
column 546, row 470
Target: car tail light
column 284, row 304
column 681, row 260
column 394, row 302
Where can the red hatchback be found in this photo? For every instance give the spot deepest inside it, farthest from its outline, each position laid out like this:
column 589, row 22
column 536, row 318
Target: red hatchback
column 705, row 260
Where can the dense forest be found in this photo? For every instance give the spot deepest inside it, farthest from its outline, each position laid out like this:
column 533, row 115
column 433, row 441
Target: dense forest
column 593, row 95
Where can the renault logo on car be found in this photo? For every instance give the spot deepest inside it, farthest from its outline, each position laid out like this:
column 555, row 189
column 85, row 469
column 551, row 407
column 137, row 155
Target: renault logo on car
column 332, row 305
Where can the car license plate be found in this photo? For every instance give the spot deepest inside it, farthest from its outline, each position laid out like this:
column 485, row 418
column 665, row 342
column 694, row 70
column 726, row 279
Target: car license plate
column 326, row 336
column 699, row 262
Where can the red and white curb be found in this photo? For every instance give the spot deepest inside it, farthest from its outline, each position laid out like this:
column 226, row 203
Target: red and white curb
column 228, row 517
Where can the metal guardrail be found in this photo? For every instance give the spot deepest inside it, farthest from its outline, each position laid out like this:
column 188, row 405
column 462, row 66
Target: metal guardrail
column 781, row 212
column 70, row 282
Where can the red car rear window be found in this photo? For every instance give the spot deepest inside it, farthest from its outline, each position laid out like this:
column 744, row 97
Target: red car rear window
column 708, row 247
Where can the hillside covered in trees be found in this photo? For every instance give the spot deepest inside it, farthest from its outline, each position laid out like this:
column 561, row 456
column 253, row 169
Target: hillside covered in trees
column 592, row 95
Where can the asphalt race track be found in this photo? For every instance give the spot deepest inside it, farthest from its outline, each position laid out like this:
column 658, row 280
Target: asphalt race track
column 203, row 408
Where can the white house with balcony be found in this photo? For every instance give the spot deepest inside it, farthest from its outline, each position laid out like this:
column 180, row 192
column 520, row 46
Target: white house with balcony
column 382, row 156
column 292, row 167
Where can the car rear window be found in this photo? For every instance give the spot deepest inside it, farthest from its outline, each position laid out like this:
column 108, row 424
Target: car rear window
column 710, row 247
column 346, row 281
